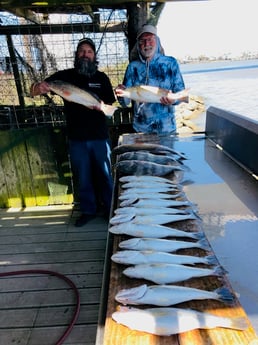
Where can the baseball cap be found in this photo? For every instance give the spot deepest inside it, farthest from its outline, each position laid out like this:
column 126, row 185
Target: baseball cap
column 88, row 41
column 147, row 28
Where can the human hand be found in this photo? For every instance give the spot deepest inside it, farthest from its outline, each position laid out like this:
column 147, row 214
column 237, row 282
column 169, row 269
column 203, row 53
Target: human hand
column 171, row 97
column 119, row 90
column 39, row 88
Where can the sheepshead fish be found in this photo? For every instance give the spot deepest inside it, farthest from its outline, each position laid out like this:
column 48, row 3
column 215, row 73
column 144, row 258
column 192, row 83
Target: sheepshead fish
column 150, row 94
column 165, row 321
column 152, row 231
column 74, row 94
column 166, row 295
column 161, row 245
column 118, row 150
column 150, row 219
column 138, row 167
column 163, row 273
column 136, row 257
column 147, row 156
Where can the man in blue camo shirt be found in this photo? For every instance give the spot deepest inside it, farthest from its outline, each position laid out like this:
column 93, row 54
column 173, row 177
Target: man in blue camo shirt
column 149, row 66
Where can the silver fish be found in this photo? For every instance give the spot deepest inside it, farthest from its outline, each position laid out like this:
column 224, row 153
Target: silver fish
column 137, row 202
column 163, row 273
column 146, row 147
column 152, row 231
column 166, row 295
column 141, row 194
column 165, row 321
column 74, row 94
column 136, row 257
column 161, row 245
column 151, row 219
column 154, row 184
column 138, row 167
column 147, row 156
column 145, row 179
column 151, row 189
column 147, row 210
column 150, row 94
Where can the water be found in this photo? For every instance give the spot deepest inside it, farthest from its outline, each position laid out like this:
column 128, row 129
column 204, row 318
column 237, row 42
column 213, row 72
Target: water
column 230, row 85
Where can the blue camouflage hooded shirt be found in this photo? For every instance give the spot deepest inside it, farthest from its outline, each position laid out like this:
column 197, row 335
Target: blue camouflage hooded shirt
column 161, row 71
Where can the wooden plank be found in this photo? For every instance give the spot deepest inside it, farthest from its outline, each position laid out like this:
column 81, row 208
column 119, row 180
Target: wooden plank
column 36, row 309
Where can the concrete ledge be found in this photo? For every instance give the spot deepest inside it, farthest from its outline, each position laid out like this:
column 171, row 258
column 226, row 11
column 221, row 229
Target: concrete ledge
column 236, row 135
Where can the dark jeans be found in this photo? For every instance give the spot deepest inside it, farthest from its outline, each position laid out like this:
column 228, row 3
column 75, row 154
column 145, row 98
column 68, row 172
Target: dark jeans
column 91, row 167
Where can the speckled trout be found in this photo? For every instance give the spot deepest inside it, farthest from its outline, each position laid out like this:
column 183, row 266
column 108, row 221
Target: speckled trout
column 74, row 94
column 167, row 320
column 150, row 94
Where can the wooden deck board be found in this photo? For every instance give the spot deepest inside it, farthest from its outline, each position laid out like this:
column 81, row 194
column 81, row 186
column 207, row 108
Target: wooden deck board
column 35, row 309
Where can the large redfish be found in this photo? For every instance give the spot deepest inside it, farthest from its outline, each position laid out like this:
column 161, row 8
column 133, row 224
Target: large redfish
column 74, row 94
column 151, row 94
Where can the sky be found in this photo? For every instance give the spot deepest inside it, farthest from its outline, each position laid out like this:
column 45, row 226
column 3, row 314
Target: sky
column 210, row 28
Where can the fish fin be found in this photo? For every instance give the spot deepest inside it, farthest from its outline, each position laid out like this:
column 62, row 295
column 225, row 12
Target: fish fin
column 204, row 244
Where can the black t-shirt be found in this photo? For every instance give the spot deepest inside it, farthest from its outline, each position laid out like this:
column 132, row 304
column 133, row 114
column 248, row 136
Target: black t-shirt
column 84, row 123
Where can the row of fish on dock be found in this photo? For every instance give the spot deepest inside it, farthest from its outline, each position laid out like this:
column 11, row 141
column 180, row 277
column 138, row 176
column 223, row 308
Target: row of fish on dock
column 149, row 202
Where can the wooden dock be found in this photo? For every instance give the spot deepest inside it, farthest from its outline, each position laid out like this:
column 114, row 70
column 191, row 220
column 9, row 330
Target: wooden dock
column 36, row 309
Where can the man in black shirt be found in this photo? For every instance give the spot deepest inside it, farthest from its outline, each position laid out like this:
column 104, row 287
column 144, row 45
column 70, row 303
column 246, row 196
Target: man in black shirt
column 87, row 130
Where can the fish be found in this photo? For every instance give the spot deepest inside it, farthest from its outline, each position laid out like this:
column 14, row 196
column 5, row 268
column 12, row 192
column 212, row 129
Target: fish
column 147, row 156
column 150, row 219
column 141, row 194
column 136, row 257
column 153, row 203
column 146, row 184
column 163, row 273
column 166, row 321
column 150, row 94
column 145, row 179
column 139, row 167
column 147, row 210
column 152, row 231
column 151, row 147
column 167, row 295
column 151, row 189
column 162, row 245
column 74, row 94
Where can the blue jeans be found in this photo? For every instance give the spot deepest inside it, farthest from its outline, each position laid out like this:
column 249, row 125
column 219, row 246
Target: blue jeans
column 91, row 166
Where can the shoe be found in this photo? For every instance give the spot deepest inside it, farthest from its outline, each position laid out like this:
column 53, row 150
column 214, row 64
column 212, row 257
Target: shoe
column 84, row 219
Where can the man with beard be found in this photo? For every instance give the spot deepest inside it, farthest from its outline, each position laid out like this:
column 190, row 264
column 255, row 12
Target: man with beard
column 87, row 131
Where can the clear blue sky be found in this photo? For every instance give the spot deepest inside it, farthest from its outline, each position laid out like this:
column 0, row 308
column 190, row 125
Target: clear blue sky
column 211, row 27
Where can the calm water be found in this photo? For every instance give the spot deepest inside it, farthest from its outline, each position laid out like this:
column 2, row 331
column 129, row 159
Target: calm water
column 229, row 85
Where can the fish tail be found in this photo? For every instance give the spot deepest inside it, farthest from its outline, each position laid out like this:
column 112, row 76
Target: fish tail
column 225, row 295
column 199, row 235
column 211, row 260
column 107, row 109
column 239, row 323
column 204, row 244
column 219, row 271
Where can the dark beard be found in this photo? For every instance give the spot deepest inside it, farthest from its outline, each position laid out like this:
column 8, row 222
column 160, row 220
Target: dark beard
column 85, row 66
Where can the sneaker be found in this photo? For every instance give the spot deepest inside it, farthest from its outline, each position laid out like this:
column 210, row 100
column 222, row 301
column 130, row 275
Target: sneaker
column 84, row 219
